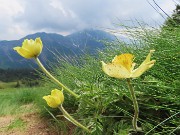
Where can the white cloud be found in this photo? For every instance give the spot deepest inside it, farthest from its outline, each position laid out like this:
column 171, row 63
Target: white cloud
column 22, row 17
column 9, row 9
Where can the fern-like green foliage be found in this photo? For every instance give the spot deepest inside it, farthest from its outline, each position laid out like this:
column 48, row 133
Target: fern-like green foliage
column 157, row 90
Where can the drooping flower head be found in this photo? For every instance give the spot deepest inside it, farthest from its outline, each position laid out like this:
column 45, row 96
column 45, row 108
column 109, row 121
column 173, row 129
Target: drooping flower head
column 55, row 99
column 122, row 66
column 30, row 48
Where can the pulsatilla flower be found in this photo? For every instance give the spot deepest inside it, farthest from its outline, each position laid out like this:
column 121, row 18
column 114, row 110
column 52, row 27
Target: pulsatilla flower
column 122, row 66
column 55, row 99
column 30, row 48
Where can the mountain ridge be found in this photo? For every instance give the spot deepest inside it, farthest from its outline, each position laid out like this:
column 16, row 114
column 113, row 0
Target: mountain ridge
column 69, row 45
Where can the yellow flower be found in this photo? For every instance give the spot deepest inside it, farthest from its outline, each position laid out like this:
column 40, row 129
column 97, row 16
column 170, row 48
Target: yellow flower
column 122, row 66
column 30, row 48
column 55, row 99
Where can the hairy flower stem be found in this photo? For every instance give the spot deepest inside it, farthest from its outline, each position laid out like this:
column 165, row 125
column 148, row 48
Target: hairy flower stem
column 59, row 83
column 135, row 104
column 71, row 119
column 54, row 79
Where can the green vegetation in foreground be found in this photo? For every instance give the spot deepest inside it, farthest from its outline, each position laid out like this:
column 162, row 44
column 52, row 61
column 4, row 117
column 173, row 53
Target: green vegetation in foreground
column 157, row 90
column 13, row 98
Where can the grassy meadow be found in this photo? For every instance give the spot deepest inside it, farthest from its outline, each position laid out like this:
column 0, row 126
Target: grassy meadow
column 157, row 90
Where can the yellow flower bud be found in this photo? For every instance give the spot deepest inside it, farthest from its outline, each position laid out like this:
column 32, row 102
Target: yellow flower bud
column 30, row 48
column 55, row 99
column 122, row 66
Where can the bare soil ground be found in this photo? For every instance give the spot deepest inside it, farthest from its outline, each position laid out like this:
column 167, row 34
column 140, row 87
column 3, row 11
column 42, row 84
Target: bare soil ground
column 33, row 124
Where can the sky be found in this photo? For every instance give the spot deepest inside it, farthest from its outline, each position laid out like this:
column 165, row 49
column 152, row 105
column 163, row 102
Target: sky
column 19, row 18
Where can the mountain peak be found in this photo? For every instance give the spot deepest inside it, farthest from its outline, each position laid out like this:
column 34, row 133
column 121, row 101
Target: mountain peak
column 42, row 35
column 74, row 44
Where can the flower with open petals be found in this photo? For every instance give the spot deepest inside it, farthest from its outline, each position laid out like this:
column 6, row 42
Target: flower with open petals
column 122, row 66
column 55, row 99
column 30, row 48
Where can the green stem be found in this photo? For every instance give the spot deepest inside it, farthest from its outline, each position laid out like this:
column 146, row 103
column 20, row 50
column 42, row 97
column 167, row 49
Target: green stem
column 71, row 119
column 54, row 79
column 59, row 83
column 135, row 104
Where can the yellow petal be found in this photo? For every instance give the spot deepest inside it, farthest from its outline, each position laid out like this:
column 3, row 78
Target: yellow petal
column 124, row 60
column 115, row 70
column 23, row 52
column 32, row 48
column 141, row 69
column 58, row 96
column 55, row 99
column 148, row 57
column 51, row 101
column 133, row 65
column 38, row 46
column 27, row 44
column 147, row 64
